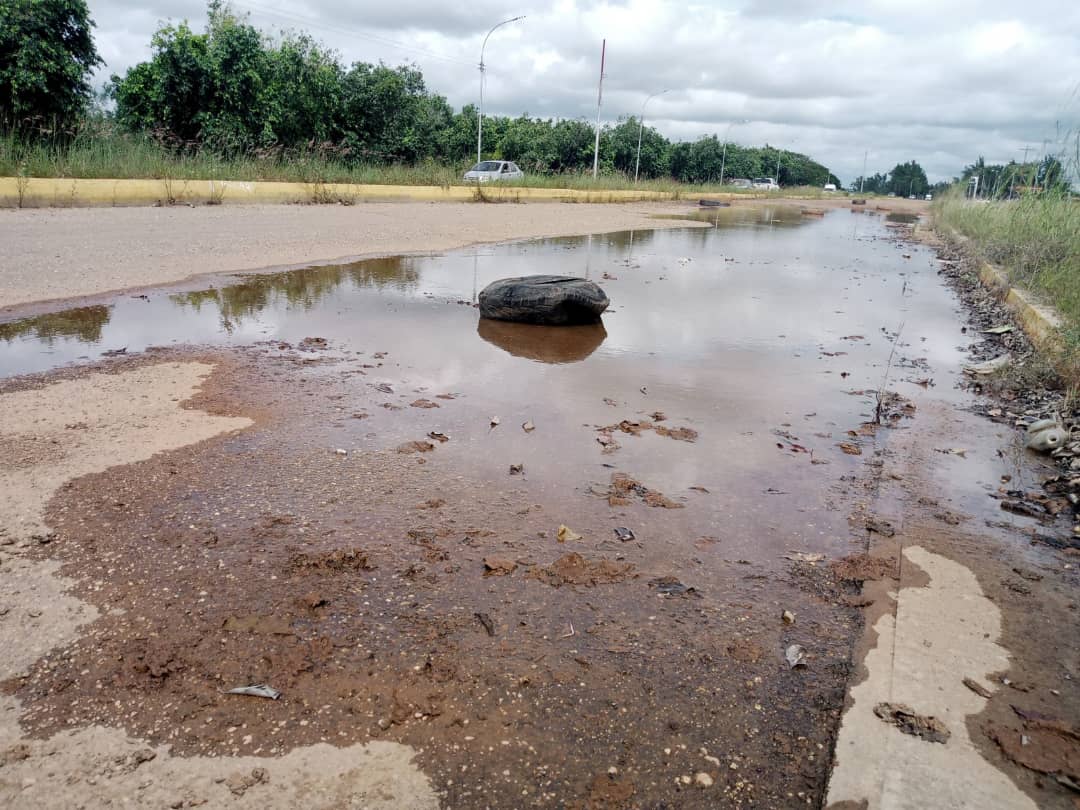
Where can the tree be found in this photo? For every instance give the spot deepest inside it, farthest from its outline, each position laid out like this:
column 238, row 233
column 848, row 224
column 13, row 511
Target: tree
column 908, row 178
column 46, row 56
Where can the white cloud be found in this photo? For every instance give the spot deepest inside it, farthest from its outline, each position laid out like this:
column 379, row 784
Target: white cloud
column 918, row 79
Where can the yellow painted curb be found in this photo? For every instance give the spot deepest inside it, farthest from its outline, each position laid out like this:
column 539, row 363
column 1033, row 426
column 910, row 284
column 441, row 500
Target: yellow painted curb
column 37, row 192
column 1040, row 323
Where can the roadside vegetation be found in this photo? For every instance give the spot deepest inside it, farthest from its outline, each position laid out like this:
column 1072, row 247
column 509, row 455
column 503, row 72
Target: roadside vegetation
column 1035, row 238
column 235, row 103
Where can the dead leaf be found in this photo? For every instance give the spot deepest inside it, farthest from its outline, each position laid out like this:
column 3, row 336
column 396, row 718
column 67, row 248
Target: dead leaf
column 566, row 533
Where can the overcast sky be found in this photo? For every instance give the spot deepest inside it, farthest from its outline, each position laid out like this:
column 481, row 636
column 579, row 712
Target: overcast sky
column 938, row 81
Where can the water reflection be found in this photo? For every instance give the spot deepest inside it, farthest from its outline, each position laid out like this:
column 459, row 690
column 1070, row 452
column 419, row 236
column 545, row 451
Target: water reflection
column 544, row 344
column 83, row 324
column 304, row 289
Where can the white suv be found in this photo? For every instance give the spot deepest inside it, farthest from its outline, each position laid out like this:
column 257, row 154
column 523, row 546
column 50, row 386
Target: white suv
column 487, row 170
column 766, row 184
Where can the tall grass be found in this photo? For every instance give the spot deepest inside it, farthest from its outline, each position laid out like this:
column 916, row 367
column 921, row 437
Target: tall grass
column 1035, row 238
column 99, row 151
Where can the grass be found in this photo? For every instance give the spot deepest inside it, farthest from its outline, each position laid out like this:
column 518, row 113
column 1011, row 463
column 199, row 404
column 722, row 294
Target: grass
column 1036, row 239
column 101, row 152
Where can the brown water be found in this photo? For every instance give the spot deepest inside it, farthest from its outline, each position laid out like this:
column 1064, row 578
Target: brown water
column 759, row 326
column 765, row 333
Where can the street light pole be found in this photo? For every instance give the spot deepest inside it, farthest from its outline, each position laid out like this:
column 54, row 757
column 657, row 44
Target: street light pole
column 480, row 112
column 640, row 127
column 723, row 156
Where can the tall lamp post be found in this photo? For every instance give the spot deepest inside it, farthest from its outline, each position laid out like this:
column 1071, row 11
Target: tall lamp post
column 723, row 157
column 480, row 112
column 641, row 126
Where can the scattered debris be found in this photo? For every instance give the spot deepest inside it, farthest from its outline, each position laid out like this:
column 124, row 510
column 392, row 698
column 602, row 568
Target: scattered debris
column 882, row 527
column 494, row 421
column 624, row 533
column 342, row 559
column 565, row 534
column 861, row 567
column 998, row 330
column 438, row 436
column 989, row 366
column 573, row 569
column 623, row 487
column 904, row 718
column 850, row 449
column 953, row 451
column 114, row 352
column 256, row 690
column 498, row 566
column 787, row 617
column 385, row 388
column 415, row 447
column 485, row 622
column 238, row 783
column 804, row 556
column 670, row 586
column 341, row 452
column 636, row 428
column 1045, row 435
column 517, row 469
column 423, row 403
column 795, row 656
column 977, row 688
column 528, row 427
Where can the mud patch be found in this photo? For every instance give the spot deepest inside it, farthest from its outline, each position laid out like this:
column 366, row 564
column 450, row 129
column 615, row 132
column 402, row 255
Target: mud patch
column 573, row 569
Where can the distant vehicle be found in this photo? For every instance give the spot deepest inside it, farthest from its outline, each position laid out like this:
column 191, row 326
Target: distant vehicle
column 741, row 182
column 929, row 197
column 911, row 196
column 892, row 193
column 830, row 186
column 487, row 170
column 766, row 183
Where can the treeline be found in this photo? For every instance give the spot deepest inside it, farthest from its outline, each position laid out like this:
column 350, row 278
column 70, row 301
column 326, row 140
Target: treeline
column 233, row 90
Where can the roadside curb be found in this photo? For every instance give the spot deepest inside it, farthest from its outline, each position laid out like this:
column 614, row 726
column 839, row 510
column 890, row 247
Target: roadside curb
column 47, row 192
column 1040, row 322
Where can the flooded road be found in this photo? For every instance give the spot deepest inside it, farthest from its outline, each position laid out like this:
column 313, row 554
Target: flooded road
column 366, row 550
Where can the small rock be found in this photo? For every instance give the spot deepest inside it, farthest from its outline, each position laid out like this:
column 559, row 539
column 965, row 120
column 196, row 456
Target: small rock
column 702, row 779
column 788, row 617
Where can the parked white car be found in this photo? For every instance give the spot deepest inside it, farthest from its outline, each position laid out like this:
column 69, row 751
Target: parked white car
column 487, row 170
column 766, row 184
column 830, row 186
column 741, row 182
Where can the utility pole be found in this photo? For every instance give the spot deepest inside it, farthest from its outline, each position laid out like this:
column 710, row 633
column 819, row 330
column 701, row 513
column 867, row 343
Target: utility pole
column 599, row 98
column 862, row 179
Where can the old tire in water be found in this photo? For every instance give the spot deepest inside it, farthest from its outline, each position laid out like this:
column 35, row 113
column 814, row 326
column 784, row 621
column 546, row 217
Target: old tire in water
column 550, row 300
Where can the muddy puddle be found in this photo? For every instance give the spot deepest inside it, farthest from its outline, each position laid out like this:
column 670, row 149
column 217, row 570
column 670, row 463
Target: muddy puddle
column 390, row 555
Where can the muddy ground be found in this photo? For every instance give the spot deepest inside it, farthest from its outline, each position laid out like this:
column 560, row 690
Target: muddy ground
column 340, row 550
